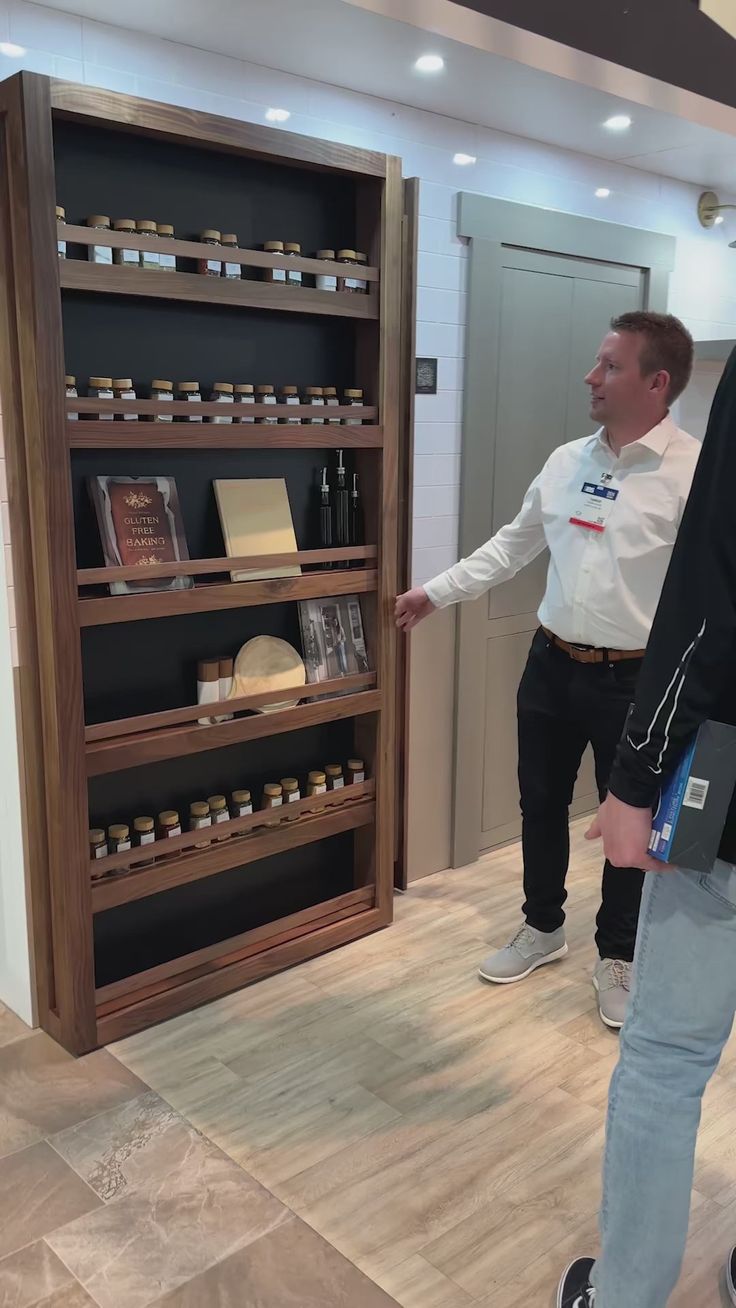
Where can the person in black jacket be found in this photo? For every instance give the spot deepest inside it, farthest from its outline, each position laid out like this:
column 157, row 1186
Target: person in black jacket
column 684, row 995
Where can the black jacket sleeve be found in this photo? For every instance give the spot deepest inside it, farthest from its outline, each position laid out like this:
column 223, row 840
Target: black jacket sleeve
column 690, row 665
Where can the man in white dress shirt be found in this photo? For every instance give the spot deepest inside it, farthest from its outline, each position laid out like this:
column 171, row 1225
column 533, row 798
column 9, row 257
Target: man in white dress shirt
column 608, row 508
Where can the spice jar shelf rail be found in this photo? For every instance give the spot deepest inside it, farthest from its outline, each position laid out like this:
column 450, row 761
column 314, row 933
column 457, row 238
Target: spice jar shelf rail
column 116, row 754
column 204, row 567
column 208, row 436
column 105, row 279
column 216, row 596
column 76, row 235
column 192, row 712
column 164, row 411
column 243, row 840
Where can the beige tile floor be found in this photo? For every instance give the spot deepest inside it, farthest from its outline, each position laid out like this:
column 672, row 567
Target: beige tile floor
column 374, row 1128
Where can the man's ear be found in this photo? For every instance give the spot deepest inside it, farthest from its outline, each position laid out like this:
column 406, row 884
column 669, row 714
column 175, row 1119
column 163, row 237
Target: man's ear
column 660, row 382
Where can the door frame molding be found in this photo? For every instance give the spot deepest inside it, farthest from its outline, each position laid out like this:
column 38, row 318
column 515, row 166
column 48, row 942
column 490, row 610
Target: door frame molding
column 491, row 225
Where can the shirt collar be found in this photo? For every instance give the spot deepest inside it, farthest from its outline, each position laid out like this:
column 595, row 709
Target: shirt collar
column 657, row 440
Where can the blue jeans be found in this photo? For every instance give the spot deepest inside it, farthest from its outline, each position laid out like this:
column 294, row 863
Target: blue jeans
column 680, row 1016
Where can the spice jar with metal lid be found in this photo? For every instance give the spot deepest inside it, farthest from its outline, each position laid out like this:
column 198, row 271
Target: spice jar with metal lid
column 97, row 849
column 100, row 388
column 118, row 842
column 272, row 798
column 276, row 276
column 144, row 834
column 289, row 395
column 293, row 250
column 241, row 804
column 200, row 819
column 326, row 281
column 99, row 253
column 362, row 261
column 60, row 237
column 245, row 394
column 126, row 257
column 355, row 769
column 331, row 402
column 166, row 262
column 168, row 824
column 353, row 400
column 210, row 266
column 334, row 777
column 231, row 270
column 219, row 813
column 314, row 397
column 348, row 281
column 149, row 258
column 189, row 391
column 222, row 393
column 71, row 393
column 267, row 395
column 122, row 389
column 291, row 793
column 163, row 391
column 316, row 783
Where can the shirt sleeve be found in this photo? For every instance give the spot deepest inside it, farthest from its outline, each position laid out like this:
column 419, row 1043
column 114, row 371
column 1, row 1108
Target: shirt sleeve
column 691, row 653
column 515, row 545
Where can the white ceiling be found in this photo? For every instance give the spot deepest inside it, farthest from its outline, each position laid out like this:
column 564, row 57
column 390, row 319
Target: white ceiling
column 346, row 43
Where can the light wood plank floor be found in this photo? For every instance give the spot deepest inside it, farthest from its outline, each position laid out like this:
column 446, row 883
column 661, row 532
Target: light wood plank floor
column 442, row 1134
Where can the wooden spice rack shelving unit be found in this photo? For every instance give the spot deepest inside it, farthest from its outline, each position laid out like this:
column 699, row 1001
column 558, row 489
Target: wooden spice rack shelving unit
column 118, row 952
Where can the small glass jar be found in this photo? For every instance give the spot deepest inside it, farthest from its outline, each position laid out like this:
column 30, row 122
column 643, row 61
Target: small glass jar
column 149, row 258
column 334, row 777
column 233, row 271
column 267, row 395
column 314, row 397
column 210, row 266
column 199, row 820
column 347, row 281
column 163, row 392
column 99, row 253
column 144, row 834
column 245, row 394
column 168, row 827
column 355, row 769
column 97, row 849
column 190, row 392
column 71, row 393
column 126, row 257
column 329, row 394
column 354, row 400
column 276, row 276
column 293, row 250
column 272, row 798
column 100, row 388
column 219, row 813
column 118, row 842
column 290, row 395
column 241, row 804
column 222, row 393
column 362, row 261
column 291, row 793
column 60, row 236
column 122, row 389
column 316, row 784
column 166, row 262
column 326, row 281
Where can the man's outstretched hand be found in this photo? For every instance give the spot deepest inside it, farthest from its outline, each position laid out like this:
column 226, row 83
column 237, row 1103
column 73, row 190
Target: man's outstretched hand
column 411, row 607
column 626, row 833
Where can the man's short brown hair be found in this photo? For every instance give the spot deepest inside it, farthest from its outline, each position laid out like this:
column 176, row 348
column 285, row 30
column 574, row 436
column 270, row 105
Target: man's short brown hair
column 667, row 346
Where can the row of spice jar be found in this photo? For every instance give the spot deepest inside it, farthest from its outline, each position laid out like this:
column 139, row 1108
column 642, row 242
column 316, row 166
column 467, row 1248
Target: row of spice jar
column 318, row 398
column 212, row 264
column 204, row 814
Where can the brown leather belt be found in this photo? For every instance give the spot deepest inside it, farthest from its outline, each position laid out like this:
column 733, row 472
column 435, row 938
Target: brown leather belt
column 588, row 653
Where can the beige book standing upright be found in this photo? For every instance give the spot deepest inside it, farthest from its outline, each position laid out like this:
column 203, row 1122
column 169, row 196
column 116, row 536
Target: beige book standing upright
column 255, row 516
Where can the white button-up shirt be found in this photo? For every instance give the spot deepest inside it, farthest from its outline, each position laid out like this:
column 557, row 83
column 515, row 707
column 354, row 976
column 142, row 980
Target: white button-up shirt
column 603, row 587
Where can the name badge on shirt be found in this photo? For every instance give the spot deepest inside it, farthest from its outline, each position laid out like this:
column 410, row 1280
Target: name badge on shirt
column 595, row 504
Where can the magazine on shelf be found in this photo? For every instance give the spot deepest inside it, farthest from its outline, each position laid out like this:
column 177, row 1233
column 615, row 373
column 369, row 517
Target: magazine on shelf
column 333, row 639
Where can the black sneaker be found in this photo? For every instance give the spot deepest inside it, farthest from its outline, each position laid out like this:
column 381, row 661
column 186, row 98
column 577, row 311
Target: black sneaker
column 575, row 1289
column 731, row 1275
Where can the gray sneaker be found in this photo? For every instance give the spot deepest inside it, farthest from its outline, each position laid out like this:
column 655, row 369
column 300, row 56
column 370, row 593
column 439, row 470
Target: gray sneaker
column 528, row 950
column 612, row 980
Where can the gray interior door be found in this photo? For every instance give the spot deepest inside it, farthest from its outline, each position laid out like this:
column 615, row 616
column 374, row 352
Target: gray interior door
column 533, row 336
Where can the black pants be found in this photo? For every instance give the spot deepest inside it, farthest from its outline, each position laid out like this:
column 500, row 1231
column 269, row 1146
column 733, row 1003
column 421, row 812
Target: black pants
column 563, row 707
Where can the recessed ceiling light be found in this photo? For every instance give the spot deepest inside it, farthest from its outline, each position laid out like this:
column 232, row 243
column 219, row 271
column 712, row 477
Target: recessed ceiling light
column 602, row 193
column 718, row 219
column 429, row 63
column 618, row 123
column 461, row 158
column 277, row 115
column 12, row 50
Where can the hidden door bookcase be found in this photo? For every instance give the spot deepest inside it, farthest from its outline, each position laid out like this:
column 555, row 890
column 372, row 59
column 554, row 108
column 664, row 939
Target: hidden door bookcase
column 107, row 683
